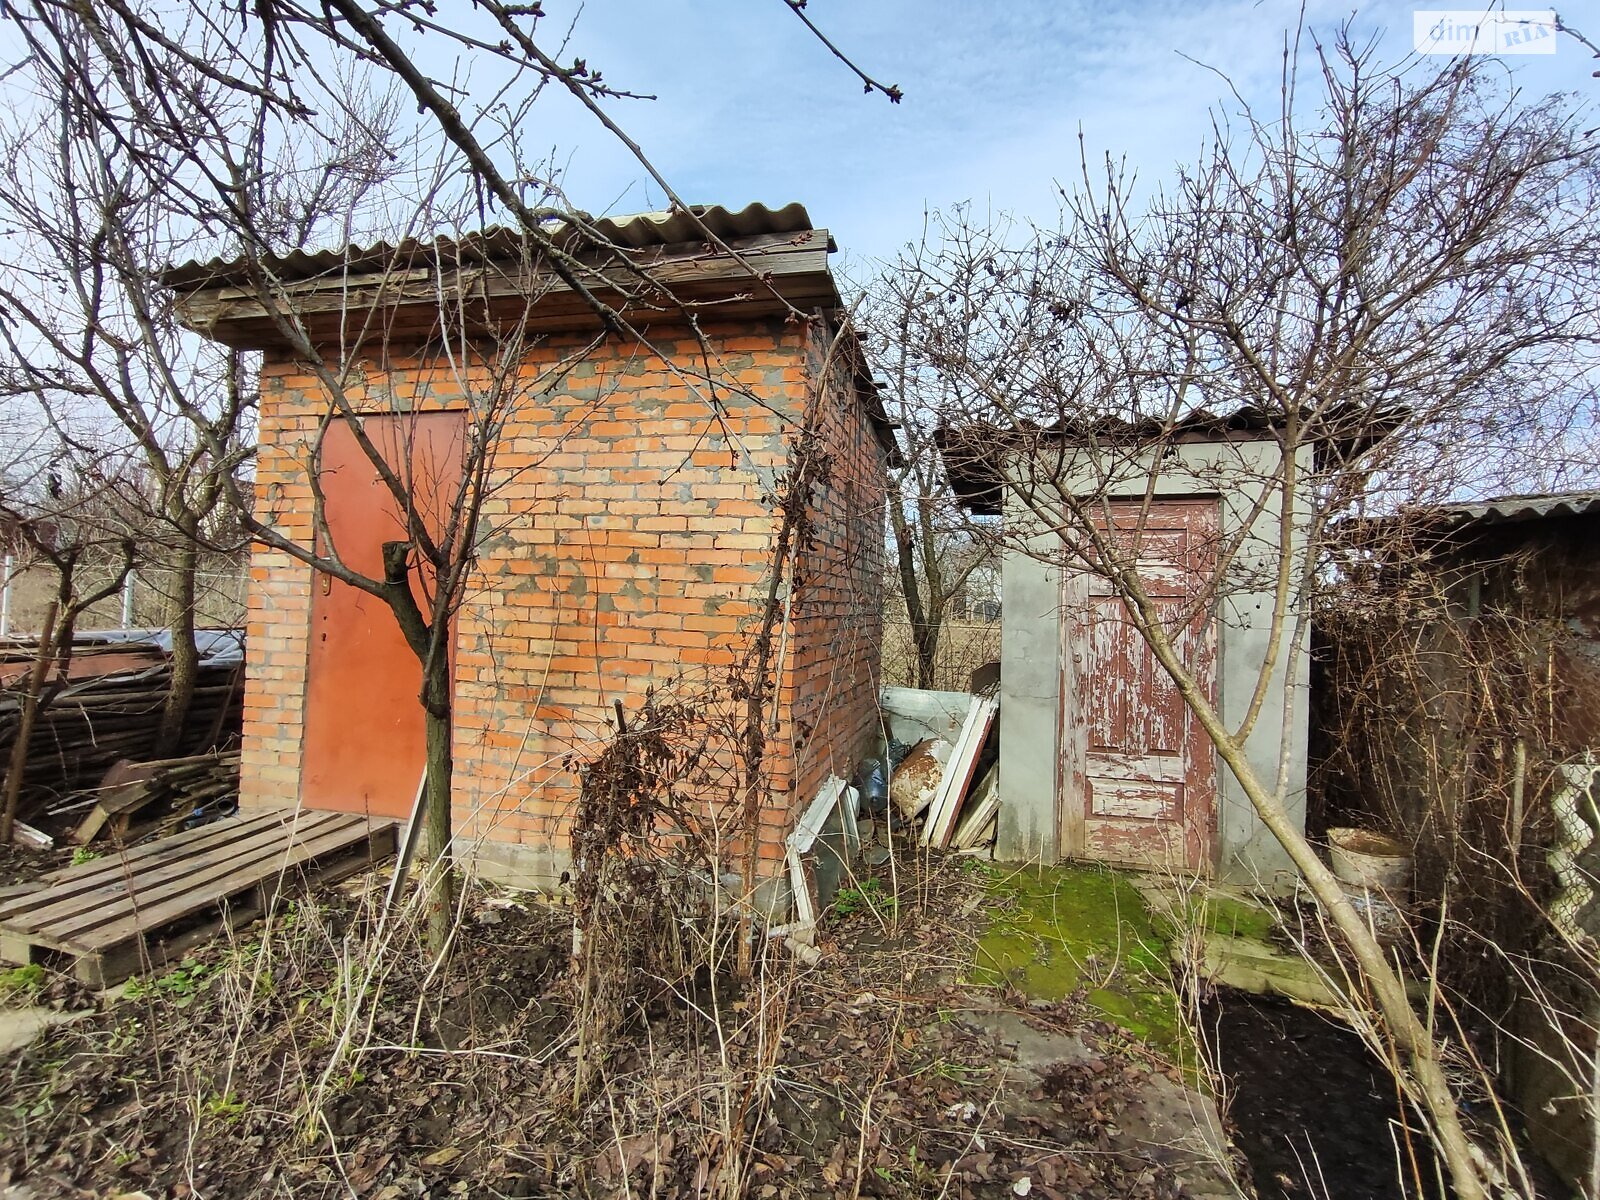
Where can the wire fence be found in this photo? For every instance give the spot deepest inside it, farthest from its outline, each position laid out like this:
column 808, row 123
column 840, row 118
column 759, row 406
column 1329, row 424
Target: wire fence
column 142, row 602
column 964, row 646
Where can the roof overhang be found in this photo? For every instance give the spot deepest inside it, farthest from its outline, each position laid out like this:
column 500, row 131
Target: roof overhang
column 708, row 263
column 976, row 455
column 653, row 269
column 1511, row 510
column 1444, row 527
column 416, row 294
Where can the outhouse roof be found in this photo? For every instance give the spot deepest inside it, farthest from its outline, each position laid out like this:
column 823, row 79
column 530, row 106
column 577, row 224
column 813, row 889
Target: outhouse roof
column 707, row 261
column 637, row 231
column 974, row 454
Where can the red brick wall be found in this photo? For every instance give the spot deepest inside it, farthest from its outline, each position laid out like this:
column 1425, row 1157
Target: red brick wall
column 832, row 677
column 626, row 543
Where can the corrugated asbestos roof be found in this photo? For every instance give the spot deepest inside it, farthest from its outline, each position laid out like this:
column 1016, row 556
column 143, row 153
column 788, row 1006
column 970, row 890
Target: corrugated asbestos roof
column 639, row 231
column 974, row 455
column 1504, row 510
column 668, row 228
column 596, row 239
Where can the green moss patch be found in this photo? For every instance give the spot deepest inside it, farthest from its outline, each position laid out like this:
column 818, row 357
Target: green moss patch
column 1058, row 931
column 1236, row 918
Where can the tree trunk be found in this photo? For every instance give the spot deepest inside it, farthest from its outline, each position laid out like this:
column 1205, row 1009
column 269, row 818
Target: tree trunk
column 926, row 638
column 30, row 712
column 935, row 598
column 185, row 654
column 1415, row 1041
column 436, row 822
column 924, row 632
column 438, row 726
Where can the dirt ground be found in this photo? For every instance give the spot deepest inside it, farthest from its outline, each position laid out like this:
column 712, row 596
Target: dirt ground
column 303, row 1061
column 1299, row 1143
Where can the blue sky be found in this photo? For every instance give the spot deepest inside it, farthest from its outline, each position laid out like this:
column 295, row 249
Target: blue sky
column 751, row 108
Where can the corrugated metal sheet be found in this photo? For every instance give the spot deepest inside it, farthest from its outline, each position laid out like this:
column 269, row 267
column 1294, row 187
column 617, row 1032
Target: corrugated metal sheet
column 218, row 647
column 1506, row 509
column 639, row 231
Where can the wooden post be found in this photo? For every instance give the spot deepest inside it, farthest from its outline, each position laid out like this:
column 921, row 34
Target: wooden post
column 30, row 710
column 6, row 571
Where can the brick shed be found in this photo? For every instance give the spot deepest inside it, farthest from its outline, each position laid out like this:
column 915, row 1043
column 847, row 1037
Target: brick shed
column 630, row 530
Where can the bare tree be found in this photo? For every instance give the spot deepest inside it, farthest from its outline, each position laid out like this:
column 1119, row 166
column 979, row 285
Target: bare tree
column 236, row 97
column 1388, row 299
column 68, row 523
column 935, row 552
column 91, row 338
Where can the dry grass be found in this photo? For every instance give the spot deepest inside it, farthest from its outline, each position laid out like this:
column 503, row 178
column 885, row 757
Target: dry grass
column 326, row 1055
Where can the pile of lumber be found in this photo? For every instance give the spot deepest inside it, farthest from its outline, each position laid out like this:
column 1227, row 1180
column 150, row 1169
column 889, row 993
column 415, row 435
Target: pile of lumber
column 980, row 814
column 136, row 800
column 964, row 805
column 92, row 722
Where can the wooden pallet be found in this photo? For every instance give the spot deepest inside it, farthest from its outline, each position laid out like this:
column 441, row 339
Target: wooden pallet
column 142, row 908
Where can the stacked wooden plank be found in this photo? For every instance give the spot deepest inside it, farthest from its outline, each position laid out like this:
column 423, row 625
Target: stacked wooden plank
column 139, row 799
column 91, row 723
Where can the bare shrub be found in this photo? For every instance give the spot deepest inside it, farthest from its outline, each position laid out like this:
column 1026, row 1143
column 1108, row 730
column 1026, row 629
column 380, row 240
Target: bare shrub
column 643, row 853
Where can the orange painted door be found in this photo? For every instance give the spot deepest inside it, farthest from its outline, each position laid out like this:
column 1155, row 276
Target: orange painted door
column 363, row 749
column 1139, row 783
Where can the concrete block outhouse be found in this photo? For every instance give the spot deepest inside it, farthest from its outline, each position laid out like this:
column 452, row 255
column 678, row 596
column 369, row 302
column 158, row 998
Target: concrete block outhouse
column 1101, row 758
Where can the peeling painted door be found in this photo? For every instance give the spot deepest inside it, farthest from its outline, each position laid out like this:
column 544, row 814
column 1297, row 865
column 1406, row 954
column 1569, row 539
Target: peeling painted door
column 363, row 749
column 1138, row 772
